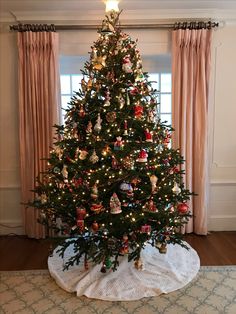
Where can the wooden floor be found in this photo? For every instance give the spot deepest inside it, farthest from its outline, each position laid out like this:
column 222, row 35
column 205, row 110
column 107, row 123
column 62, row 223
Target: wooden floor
column 21, row 253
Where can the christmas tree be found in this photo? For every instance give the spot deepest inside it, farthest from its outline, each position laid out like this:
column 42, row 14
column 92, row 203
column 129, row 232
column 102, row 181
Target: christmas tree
column 113, row 182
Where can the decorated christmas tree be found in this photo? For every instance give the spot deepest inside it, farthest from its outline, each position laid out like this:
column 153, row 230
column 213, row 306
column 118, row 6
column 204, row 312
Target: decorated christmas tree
column 113, row 182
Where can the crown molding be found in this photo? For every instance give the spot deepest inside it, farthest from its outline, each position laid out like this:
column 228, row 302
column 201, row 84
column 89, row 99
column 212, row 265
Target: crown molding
column 127, row 17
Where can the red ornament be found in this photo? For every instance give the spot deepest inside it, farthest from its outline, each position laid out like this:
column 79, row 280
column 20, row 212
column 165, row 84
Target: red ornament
column 80, row 213
column 80, row 224
column 138, row 111
column 146, row 229
column 182, row 208
column 142, row 157
column 95, row 226
column 97, row 208
column 148, row 136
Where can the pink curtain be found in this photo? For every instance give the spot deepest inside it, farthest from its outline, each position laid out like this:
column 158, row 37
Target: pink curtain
column 38, row 110
column 191, row 53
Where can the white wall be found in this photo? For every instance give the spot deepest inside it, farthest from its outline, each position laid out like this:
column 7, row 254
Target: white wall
column 222, row 141
column 222, row 137
column 10, row 214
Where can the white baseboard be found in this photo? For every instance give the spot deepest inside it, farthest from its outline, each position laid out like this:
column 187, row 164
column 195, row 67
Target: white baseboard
column 8, row 227
column 222, row 223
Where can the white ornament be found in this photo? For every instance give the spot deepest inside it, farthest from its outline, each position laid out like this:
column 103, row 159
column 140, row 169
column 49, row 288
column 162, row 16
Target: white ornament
column 64, row 172
column 83, row 154
column 94, row 157
column 176, row 189
column 98, row 126
column 43, row 198
column 153, row 180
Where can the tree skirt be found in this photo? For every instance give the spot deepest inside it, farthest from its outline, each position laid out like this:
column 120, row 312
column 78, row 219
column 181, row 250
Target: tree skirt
column 162, row 273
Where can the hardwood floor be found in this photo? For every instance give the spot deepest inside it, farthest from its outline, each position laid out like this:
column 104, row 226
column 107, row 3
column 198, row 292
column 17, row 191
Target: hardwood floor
column 22, row 253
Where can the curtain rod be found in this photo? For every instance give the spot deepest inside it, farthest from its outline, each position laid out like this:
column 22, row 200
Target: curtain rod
column 51, row 27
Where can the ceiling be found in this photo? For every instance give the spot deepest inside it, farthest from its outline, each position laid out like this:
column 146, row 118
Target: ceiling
column 88, row 11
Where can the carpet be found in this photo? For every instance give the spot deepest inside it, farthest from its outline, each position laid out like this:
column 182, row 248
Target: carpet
column 213, row 291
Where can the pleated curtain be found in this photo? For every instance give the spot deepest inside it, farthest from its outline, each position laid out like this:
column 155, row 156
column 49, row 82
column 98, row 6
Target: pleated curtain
column 38, row 77
column 191, row 57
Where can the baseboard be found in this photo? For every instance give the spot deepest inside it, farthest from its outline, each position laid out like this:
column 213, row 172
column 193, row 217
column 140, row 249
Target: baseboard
column 8, row 227
column 222, row 223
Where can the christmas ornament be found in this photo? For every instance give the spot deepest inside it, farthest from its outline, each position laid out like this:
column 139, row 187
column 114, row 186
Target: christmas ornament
column 139, row 76
column 74, row 130
column 153, row 180
column 143, row 155
column 64, row 172
column 106, row 151
column 98, row 126
column 99, row 63
column 146, row 228
column 128, row 163
column 127, row 189
column 107, row 102
column 107, row 28
column 126, row 128
column 94, row 157
column 114, row 163
column 119, row 144
column 138, row 264
column 176, row 189
column 107, row 263
column 127, row 65
column 151, row 116
column 59, row 152
column 135, row 181
column 115, row 204
column 111, row 116
column 125, row 245
column 150, row 206
column 97, row 208
column 138, row 111
column 148, row 136
column 43, row 198
column 94, row 193
column 81, row 112
column 182, row 208
column 95, row 226
column 83, row 154
column 56, row 170
column 121, row 101
column 89, row 127
column 127, row 99
column 80, row 215
column 163, row 248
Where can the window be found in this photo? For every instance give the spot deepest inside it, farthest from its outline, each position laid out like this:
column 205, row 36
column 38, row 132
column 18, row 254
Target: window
column 70, row 83
column 163, row 86
column 161, row 82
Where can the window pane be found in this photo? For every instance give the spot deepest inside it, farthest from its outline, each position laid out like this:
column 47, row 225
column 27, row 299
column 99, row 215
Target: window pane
column 165, row 103
column 65, row 84
column 76, row 79
column 155, row 78
column 64, row 101
column 166, row 83
column 166, row 118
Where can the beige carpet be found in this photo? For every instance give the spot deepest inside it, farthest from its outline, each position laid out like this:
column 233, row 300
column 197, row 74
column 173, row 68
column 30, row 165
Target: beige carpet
column 212, row 291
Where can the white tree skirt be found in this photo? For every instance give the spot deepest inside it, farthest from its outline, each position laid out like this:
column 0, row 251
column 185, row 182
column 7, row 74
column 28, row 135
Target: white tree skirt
column 162, row 273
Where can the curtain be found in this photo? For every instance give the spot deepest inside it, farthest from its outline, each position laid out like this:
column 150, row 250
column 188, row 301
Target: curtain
column 38, row 111
column 191, row 53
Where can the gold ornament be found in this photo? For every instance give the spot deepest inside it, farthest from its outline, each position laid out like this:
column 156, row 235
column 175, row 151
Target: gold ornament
column 111, row 116
column 99, row 63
